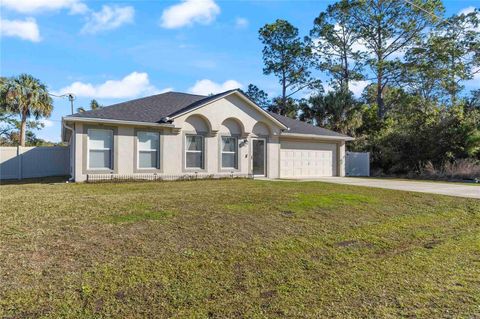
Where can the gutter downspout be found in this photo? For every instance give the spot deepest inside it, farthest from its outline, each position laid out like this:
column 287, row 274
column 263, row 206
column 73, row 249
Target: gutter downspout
column 72, row 145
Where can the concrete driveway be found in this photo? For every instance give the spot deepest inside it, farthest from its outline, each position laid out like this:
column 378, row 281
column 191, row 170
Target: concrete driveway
column 442, row 188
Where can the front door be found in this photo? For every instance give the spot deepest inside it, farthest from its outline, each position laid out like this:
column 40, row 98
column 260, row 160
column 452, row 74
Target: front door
column 258, row 157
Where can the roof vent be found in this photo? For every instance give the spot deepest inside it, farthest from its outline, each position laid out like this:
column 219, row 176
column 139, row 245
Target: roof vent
column 166, row 119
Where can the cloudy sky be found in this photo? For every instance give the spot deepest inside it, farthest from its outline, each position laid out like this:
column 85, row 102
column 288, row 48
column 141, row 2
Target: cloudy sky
column 115, row 51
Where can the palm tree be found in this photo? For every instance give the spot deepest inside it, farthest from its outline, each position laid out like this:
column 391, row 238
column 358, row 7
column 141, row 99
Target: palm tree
column 25, row 96
column 93, row 106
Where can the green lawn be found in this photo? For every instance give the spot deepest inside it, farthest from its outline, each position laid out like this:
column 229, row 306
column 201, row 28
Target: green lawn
column 236, row 248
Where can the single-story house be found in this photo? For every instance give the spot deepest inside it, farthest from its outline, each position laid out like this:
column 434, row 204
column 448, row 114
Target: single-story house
column 178, row 134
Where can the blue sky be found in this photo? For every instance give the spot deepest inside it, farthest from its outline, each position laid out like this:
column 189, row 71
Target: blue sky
column 115, row 51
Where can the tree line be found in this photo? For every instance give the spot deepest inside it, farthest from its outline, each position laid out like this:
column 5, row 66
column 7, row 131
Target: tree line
column 414, row 110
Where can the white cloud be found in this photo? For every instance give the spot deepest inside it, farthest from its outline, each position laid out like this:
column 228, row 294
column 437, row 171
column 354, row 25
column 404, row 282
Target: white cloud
column 46, row 123
column 475, row 82
column 241, row 23
column 361, row 46
column 327, row 87
column 467, row 10
column 25, row 29
column 133, row 85
column 189, row 12
column 357, row 87
column 205, row 87
column 108, row 18
column 34, row 6
column 79, row 8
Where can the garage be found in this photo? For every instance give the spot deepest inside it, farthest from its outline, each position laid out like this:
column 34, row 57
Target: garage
column 300, row 159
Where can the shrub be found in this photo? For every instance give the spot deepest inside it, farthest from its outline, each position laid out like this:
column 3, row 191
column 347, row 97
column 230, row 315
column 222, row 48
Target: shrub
column 459, row 169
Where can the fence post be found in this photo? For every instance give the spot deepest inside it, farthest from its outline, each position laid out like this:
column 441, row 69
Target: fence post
column 19, row 156
column 368, row 160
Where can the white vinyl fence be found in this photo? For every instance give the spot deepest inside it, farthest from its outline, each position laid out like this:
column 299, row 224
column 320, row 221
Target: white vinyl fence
column 29, row 162
column 357, row 164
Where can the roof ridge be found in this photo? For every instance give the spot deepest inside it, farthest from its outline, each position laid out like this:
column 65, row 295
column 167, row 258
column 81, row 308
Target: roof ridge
column 184, row 93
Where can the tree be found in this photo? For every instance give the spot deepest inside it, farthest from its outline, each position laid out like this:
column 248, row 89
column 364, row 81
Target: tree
column 334, row 45
column 260, row 97
column 7, row 123
column 419, row 77
column 338, row 111
column 387, row 28
column 94, row 105
column 457, row 51
column 441, row 61
column 9, row 130
column 473, row 102
column 287, row 57
column 26, row 96
column 288, row 107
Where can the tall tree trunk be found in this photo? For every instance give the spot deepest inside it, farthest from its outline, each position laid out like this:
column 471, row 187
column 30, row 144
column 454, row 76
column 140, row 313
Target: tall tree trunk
column 346, row 72
column 284, row 94
column 453, row 89
column 380, row 102
column 344, row 81
column 23, row 129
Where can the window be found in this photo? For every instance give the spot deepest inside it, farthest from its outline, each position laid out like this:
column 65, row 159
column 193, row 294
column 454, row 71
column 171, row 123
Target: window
column 229, row 152
column 148, row 149
column 194, row 151
column 100, row 144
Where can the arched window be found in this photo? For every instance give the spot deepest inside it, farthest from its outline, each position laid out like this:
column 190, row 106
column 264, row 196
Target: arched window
column 196, row 128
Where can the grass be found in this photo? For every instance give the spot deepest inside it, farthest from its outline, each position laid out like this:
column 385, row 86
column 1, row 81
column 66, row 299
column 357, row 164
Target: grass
column 236, row 248
column 138, row 212
column 306, row 202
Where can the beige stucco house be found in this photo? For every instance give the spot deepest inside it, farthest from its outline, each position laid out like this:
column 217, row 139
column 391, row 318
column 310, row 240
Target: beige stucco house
column 175, row 134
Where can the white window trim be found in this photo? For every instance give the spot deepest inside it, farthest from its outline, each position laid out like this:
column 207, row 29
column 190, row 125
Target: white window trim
column 190, row 151
column 149, row 150
column 235, row 153
column 99, row 149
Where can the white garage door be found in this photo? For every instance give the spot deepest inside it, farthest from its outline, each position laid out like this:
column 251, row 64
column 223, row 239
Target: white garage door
column 307, row 159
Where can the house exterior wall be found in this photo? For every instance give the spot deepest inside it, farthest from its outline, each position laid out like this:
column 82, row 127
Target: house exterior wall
column 341, row 158
column 212, row 121
column 229, row 116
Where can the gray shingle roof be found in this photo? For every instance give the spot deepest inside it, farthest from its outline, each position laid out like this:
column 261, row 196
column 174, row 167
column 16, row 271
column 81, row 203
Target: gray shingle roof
column 153, row 109
column 148, row 109
column 299, row 127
